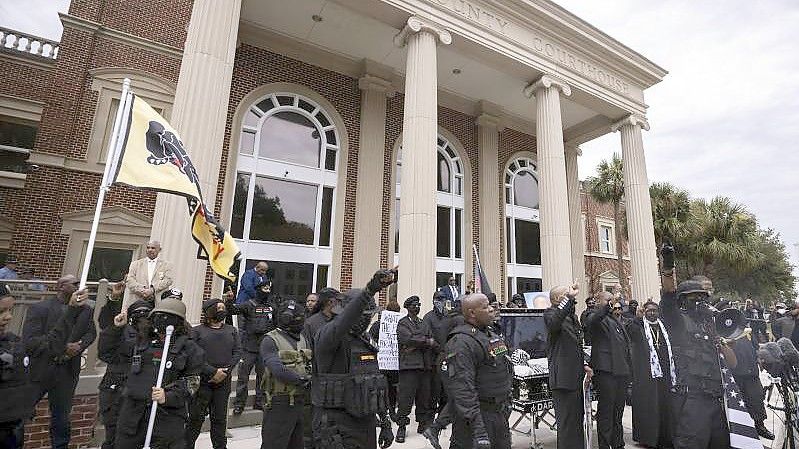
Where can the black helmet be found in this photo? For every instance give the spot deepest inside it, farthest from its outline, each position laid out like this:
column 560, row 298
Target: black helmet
column 688, row 287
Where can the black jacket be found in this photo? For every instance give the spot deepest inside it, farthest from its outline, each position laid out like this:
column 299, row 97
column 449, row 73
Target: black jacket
column 49, row 326
column 564, row 348
column 415, row 351
column 610, row 349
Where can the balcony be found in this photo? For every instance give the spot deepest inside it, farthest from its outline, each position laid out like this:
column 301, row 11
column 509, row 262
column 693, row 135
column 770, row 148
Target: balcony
column 25, row 44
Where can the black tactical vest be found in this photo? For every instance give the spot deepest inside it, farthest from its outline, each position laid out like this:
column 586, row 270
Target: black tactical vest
column 358, row 386
column 494, row 370
column 144, row 367
column 15, row 389
column 697, row 362
column 261, row 320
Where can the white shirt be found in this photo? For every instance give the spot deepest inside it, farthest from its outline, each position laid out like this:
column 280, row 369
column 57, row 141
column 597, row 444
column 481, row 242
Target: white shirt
column 151, row 264
column 454, row 291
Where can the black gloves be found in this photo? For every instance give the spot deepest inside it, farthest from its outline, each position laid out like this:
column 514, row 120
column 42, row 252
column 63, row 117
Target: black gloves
column 667, row 252
column 380, row 280
column 386, row 436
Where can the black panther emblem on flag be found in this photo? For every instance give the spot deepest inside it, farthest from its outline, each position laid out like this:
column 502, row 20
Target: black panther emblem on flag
column 166, row 148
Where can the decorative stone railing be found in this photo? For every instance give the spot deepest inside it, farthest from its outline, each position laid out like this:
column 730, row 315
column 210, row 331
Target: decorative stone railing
column 11, row 40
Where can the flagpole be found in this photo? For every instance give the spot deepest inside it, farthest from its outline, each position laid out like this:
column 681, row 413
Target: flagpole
column 111, row 157
column 476, row 271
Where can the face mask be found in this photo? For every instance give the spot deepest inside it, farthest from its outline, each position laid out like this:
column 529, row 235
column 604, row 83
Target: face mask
column 216, row 315
column 163, row 320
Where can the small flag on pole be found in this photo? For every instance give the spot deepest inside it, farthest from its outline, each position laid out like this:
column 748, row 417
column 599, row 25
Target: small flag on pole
column 742, row 427
column 480, row 280
column 152, row 157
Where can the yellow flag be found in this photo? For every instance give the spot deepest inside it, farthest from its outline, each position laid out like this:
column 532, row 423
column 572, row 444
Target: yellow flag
column 152, row 155
column 218, row 245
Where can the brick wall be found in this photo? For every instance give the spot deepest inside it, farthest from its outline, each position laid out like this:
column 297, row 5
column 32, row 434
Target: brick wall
column 82, row 418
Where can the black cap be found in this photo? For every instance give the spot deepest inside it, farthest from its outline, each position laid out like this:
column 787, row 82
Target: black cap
column 208, row 303
column 140, row 305
column 411, row 300
column 172, row 293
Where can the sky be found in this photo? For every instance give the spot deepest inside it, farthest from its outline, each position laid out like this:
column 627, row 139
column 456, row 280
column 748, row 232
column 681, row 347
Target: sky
column 724, row 121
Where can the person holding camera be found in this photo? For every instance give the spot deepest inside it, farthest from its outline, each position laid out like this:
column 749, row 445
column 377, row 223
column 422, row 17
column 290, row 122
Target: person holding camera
column 699, row 411
column 15, row 389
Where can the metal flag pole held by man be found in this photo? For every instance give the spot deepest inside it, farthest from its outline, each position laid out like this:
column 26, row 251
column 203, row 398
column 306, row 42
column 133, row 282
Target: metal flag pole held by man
column 154, row 408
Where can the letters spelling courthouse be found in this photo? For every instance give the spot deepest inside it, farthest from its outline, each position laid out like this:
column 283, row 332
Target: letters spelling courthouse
column 333, row 138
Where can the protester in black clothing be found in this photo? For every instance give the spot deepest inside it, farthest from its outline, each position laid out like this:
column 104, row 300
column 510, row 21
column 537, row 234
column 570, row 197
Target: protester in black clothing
column 700, row 420
column 15, row 388
column 478, row 380
column 610, row 360
column 348, row 390
column 436, row 322
column 117, row 354
column 630, row 312
column 287, row 358
column 220, row 342
column 310, row 304
column 55, row 363
column 258, row 314
column 326, row 299
column 567, row 365
column 416, row 345
column 747, row 376
column 113, row 305
column 185, row 360
column 392, row 376
column 653, row 378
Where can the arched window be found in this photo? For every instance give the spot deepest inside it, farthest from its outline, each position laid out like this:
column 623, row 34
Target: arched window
column 522, row 232
column 283, row 206
column 450, row 219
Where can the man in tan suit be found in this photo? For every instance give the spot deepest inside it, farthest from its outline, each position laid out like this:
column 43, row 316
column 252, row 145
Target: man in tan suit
column 148, row 277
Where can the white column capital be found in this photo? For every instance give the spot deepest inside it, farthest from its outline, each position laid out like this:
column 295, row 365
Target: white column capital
column 545, row 82
column 489, row 121
column 631, row 120
column 376, row 84
column 417, row 24
column 574, row 149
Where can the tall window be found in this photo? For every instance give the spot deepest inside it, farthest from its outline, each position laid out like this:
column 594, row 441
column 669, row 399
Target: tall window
column 522, row 232
column 284, row 199
column 450, row 205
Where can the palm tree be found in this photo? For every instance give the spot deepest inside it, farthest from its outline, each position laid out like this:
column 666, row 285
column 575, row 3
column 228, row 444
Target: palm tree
column 671, row 212
column 608, row 188
column 725, row 232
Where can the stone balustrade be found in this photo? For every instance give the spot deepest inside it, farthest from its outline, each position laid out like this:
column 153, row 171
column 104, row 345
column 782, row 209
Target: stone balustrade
column 11, row 40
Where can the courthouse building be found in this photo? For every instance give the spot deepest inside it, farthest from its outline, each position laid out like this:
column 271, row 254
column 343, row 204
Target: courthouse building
column 333, row 138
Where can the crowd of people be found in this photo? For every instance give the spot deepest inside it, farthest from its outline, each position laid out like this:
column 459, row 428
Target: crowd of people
column 318, row 382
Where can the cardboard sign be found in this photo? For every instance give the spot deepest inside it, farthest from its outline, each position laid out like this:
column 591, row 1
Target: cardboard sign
column 388, row 350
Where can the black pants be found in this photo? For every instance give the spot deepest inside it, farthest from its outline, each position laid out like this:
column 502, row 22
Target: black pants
column 110, row 398
column 610, row 409
column 307, row 420
column 700, row 422
column 337, row 429
column 249, row 360
column 392, row 377
column 438, row 395
column 283, row 423
column 569, row 409
column 496, row 424
column 12, row 434
column 414, row 387
column 211, row 400
column 753, row 396
column 59, row 392
column 445, row 416
column 134, row 414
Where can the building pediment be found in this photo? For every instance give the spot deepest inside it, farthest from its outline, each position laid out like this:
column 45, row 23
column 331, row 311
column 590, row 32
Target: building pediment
column 114, row 220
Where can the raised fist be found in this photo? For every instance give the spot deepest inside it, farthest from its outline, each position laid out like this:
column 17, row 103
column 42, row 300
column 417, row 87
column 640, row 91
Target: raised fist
column 381, row 280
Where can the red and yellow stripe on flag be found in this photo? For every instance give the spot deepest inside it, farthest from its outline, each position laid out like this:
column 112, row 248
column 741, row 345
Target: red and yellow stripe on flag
column 218, row 245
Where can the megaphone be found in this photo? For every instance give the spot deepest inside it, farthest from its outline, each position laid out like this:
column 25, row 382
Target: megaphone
column 730, row 324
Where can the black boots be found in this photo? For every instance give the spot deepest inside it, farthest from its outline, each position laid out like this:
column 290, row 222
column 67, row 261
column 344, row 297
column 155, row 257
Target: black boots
column 432, row 433
column 400, row 438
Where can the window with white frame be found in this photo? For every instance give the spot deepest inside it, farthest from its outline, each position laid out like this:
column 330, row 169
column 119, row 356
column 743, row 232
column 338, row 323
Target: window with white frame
column 606, row 229
column 450, row 218
column 522, row 231
column 284, row 198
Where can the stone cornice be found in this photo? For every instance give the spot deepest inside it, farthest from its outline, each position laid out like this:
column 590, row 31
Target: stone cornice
column 121, row 37
column 374, row 83
column 28, row 59
column 631, row 120
column 417, row 24
column 545, row 82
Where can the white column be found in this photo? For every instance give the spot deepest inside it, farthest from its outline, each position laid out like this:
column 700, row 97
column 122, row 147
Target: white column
column 556, row 247
column 489, row 246
column 369, row 198
column 417, row 230
column 638, row 205
column 576, row 222
column 199, row 114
